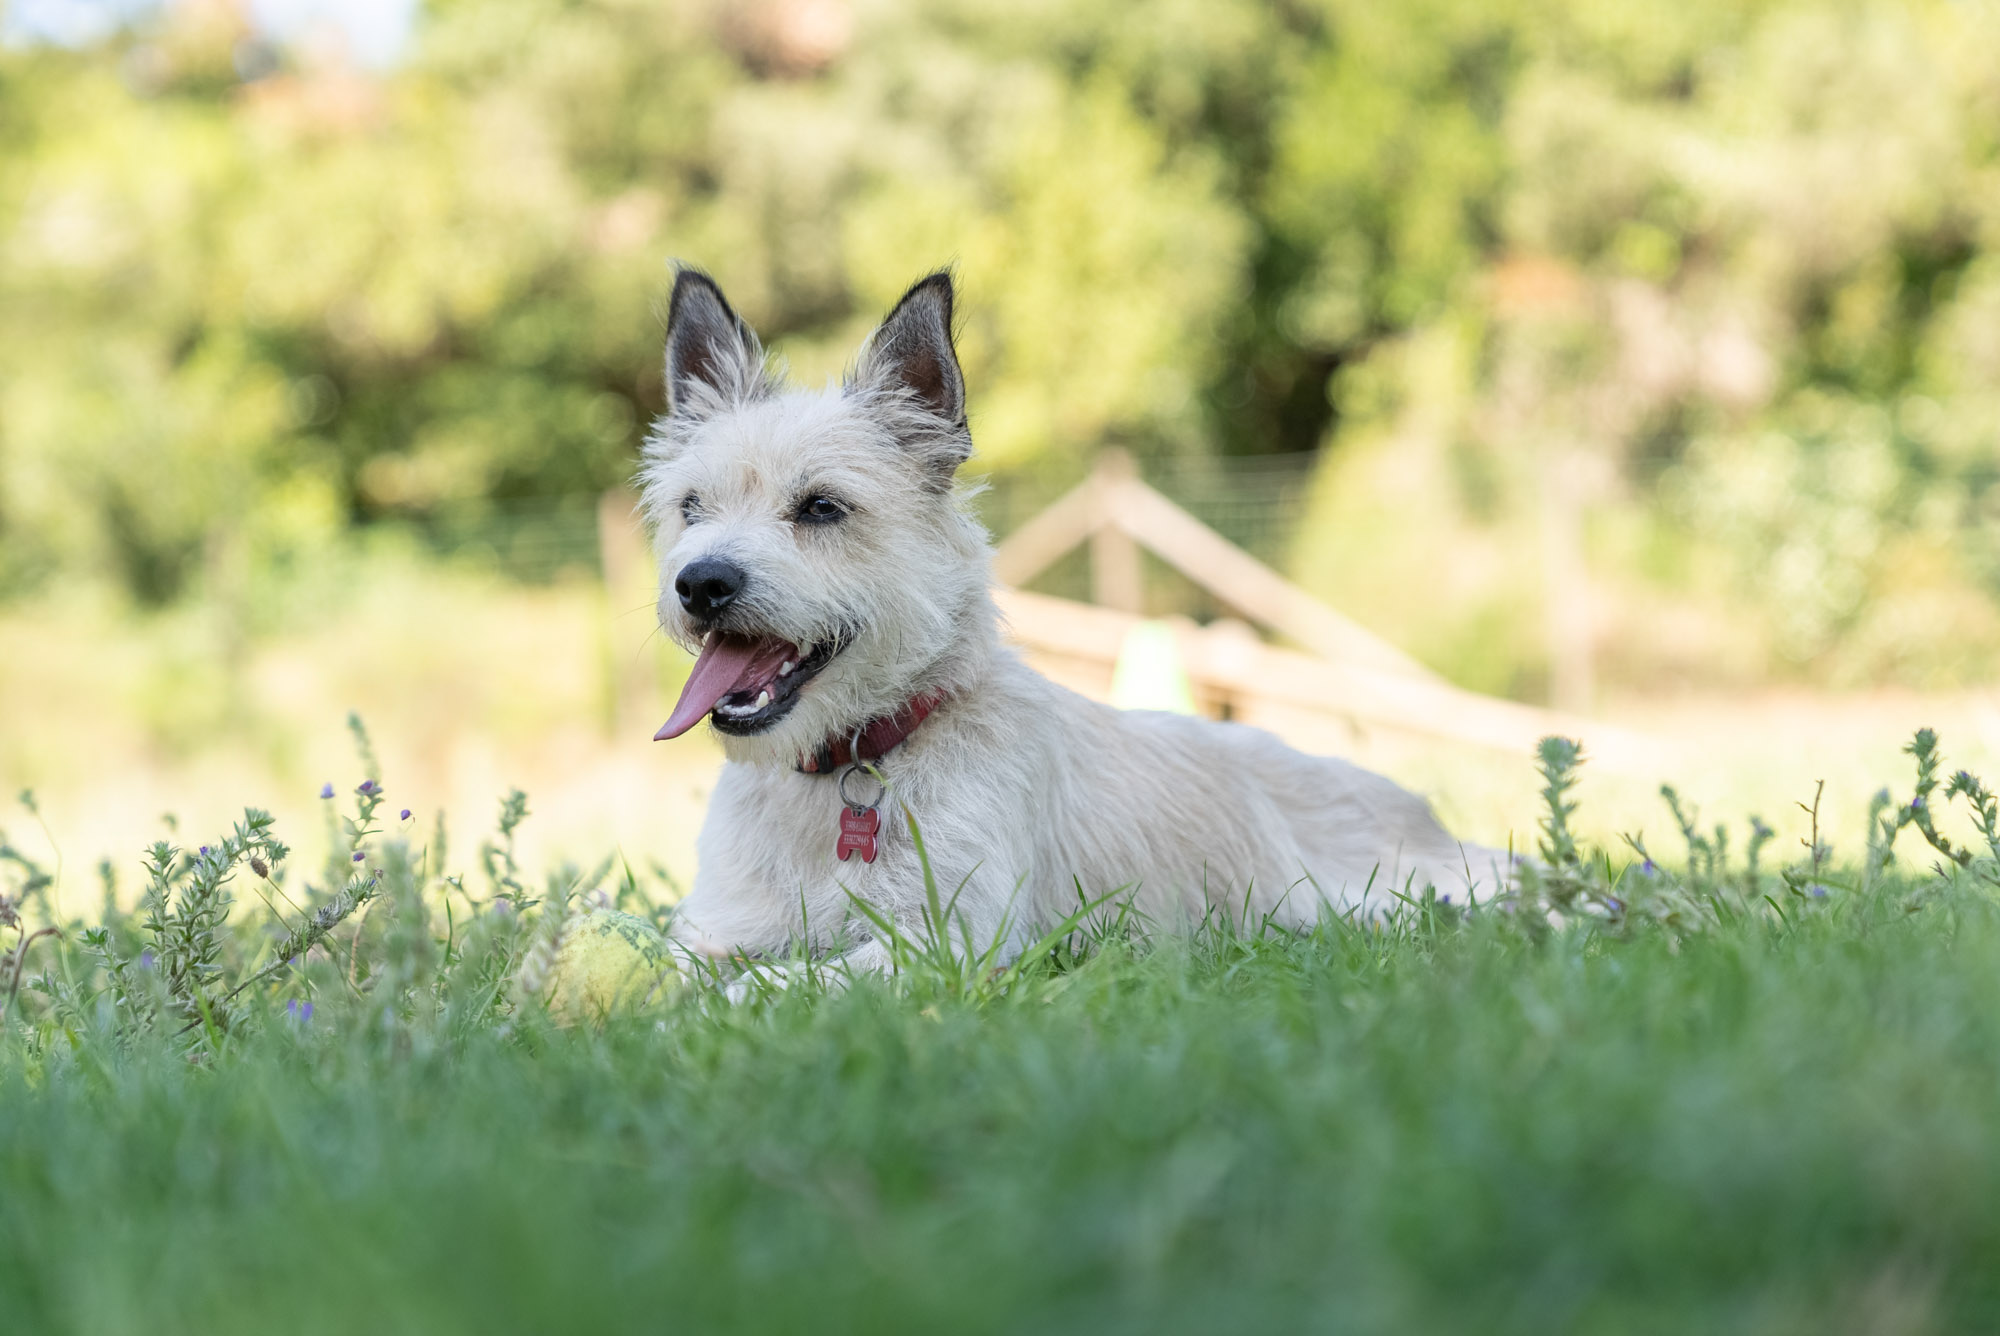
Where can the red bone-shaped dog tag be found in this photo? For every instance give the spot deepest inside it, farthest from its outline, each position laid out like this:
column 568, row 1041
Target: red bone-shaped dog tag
column 858, row 826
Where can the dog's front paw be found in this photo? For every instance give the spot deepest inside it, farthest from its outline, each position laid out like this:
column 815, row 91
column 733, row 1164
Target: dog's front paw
column 870, row 957
column 763, row 980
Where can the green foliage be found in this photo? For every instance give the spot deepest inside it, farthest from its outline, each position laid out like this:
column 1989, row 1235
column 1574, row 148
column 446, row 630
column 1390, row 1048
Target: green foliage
column 185, row 914
column 1739, row 257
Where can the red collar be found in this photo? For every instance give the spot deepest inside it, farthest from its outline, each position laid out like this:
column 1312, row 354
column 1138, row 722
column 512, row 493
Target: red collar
column 877, row 738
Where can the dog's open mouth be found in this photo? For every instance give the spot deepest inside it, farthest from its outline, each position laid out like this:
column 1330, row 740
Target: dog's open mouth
column 746, row 683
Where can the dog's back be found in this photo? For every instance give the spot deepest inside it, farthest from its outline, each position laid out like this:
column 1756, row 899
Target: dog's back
column 1193, row 816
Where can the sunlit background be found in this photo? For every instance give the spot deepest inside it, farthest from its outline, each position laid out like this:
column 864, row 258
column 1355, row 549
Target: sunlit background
column 1633, row 358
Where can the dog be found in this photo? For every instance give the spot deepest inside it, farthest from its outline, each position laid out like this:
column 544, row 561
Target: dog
column 818, row 554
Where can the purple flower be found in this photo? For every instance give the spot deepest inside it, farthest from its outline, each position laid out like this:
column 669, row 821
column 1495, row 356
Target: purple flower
column 1650, row 868
column 326, row 790
column 1917, row 803
column 301, row 1012
column 145, row 960
column 204, row 851
column 1818, row 892
column 367, row 786
column 406, row 814
column 1613, row 903
column 1444, row 899
column 357, row 855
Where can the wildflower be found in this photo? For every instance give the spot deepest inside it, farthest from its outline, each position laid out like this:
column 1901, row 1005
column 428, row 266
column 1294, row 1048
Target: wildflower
column 204, row 851
column 1444, row 899
column 406, row 814
column 1614, row 904
column 326, row 790
column 145, row 960
column 1917, row 803
column 1649, row 868
column 300, row 1012
column 367, row 786
column 1817, row 891
column 358, row 855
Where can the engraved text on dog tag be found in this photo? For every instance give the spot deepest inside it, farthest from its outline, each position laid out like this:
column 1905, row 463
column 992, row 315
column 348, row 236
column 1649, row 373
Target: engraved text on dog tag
column 858, row 826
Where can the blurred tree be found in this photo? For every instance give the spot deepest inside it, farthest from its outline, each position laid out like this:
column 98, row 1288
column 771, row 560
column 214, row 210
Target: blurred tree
column 1735, row 261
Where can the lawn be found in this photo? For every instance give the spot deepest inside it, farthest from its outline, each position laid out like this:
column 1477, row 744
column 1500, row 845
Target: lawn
column 1699, row 1101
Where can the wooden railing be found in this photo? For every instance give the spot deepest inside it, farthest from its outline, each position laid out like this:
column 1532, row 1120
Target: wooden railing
column 1344, row 672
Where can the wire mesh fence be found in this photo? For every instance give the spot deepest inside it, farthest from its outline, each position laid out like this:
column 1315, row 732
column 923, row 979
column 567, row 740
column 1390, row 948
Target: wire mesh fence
column 534, row 541
column 1257, row 504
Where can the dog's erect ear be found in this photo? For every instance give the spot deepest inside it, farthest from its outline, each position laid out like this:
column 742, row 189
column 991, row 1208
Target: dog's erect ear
column 713, row 358
column 913, row 350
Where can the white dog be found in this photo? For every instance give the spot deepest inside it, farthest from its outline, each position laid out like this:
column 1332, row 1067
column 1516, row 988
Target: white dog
column 814, row 550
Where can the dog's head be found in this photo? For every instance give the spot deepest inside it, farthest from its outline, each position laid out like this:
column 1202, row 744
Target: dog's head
column 812, row 547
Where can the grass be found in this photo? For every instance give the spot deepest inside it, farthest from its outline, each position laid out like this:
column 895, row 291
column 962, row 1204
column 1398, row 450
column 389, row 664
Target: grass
column 1639, row 1099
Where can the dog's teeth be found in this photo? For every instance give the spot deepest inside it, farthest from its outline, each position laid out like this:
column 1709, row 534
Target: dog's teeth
column 785, row 669
column 763, row 699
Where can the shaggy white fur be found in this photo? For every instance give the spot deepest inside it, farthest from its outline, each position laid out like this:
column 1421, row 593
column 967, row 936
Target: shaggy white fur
column 1026, row 794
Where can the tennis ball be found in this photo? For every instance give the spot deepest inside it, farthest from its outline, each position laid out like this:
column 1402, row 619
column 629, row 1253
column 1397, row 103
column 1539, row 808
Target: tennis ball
column 609, row 962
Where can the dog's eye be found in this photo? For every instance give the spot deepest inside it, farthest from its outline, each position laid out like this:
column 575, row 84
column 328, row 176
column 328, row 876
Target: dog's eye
column 690, row 508
column 821, row 510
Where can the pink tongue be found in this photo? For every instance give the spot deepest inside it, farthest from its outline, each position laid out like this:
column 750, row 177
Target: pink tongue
column 727, row 664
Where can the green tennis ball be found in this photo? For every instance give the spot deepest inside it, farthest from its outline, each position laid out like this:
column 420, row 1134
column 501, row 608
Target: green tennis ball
column 609, row 962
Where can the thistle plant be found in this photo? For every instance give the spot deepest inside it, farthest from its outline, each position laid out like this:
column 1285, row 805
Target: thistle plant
column 1565, row 882
column 185, row 910
column 1558, row 760
column 1887, row 820
column 1918, row 811
column 503, row 871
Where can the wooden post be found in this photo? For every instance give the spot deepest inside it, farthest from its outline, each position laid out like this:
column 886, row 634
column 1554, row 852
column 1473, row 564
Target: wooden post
column 1117, row 575
column 1038, row 544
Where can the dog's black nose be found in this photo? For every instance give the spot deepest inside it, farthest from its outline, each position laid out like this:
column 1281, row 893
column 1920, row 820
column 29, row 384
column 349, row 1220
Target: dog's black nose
column 707, row 585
